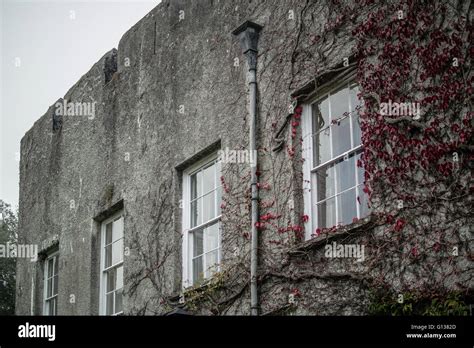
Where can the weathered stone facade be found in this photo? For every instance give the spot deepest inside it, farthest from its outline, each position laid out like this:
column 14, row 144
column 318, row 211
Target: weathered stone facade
column 173, row 92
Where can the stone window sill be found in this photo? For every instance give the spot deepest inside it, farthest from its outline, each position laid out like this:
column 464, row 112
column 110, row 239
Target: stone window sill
column 343, row 231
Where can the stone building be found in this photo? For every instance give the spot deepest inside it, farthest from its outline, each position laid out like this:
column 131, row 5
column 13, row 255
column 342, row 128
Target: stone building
column 136, row 186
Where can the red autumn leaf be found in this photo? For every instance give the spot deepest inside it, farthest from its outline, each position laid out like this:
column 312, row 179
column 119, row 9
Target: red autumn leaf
column 399, row 225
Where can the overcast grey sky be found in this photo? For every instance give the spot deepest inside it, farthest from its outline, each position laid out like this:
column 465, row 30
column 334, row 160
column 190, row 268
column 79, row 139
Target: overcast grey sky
column 46, row 46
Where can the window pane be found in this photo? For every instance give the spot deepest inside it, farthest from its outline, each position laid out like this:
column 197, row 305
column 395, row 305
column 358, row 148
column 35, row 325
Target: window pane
column 327, row 213
column 50, row 267
column 325, row 182
column 211, row 237
column 211, row 263
column 218, row 200
column 209, row 206
column 111, row 279
column 363, row 205
column 196, row 213
column 356, row 130
column 51, row 306
column 355, row 103
column 347, row 209
column 208, row 179
column 55, row 265
column 197, row 243
column 108, row 233
column 119, row 283
column 341, row 137
column 118, row 301
column 117, row 251
column 321, row 131
column 196, row 185
column 108, row 256
column 345, row 173
column 109, row 303
column 339, row 104
column 321, row 115
column 322, row 151
column 49, row 285
column 360, row 170
column 117, row 229
column 55, row 286
column 353, row 91
column 197, row 269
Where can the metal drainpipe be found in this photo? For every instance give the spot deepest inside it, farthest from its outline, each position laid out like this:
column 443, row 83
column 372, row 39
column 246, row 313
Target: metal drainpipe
column 248, row 34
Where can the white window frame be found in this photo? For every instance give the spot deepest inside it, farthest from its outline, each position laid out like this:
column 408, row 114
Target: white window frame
column 103, row 271
column 187, row 245
column 53, row 255
column 307, row 152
